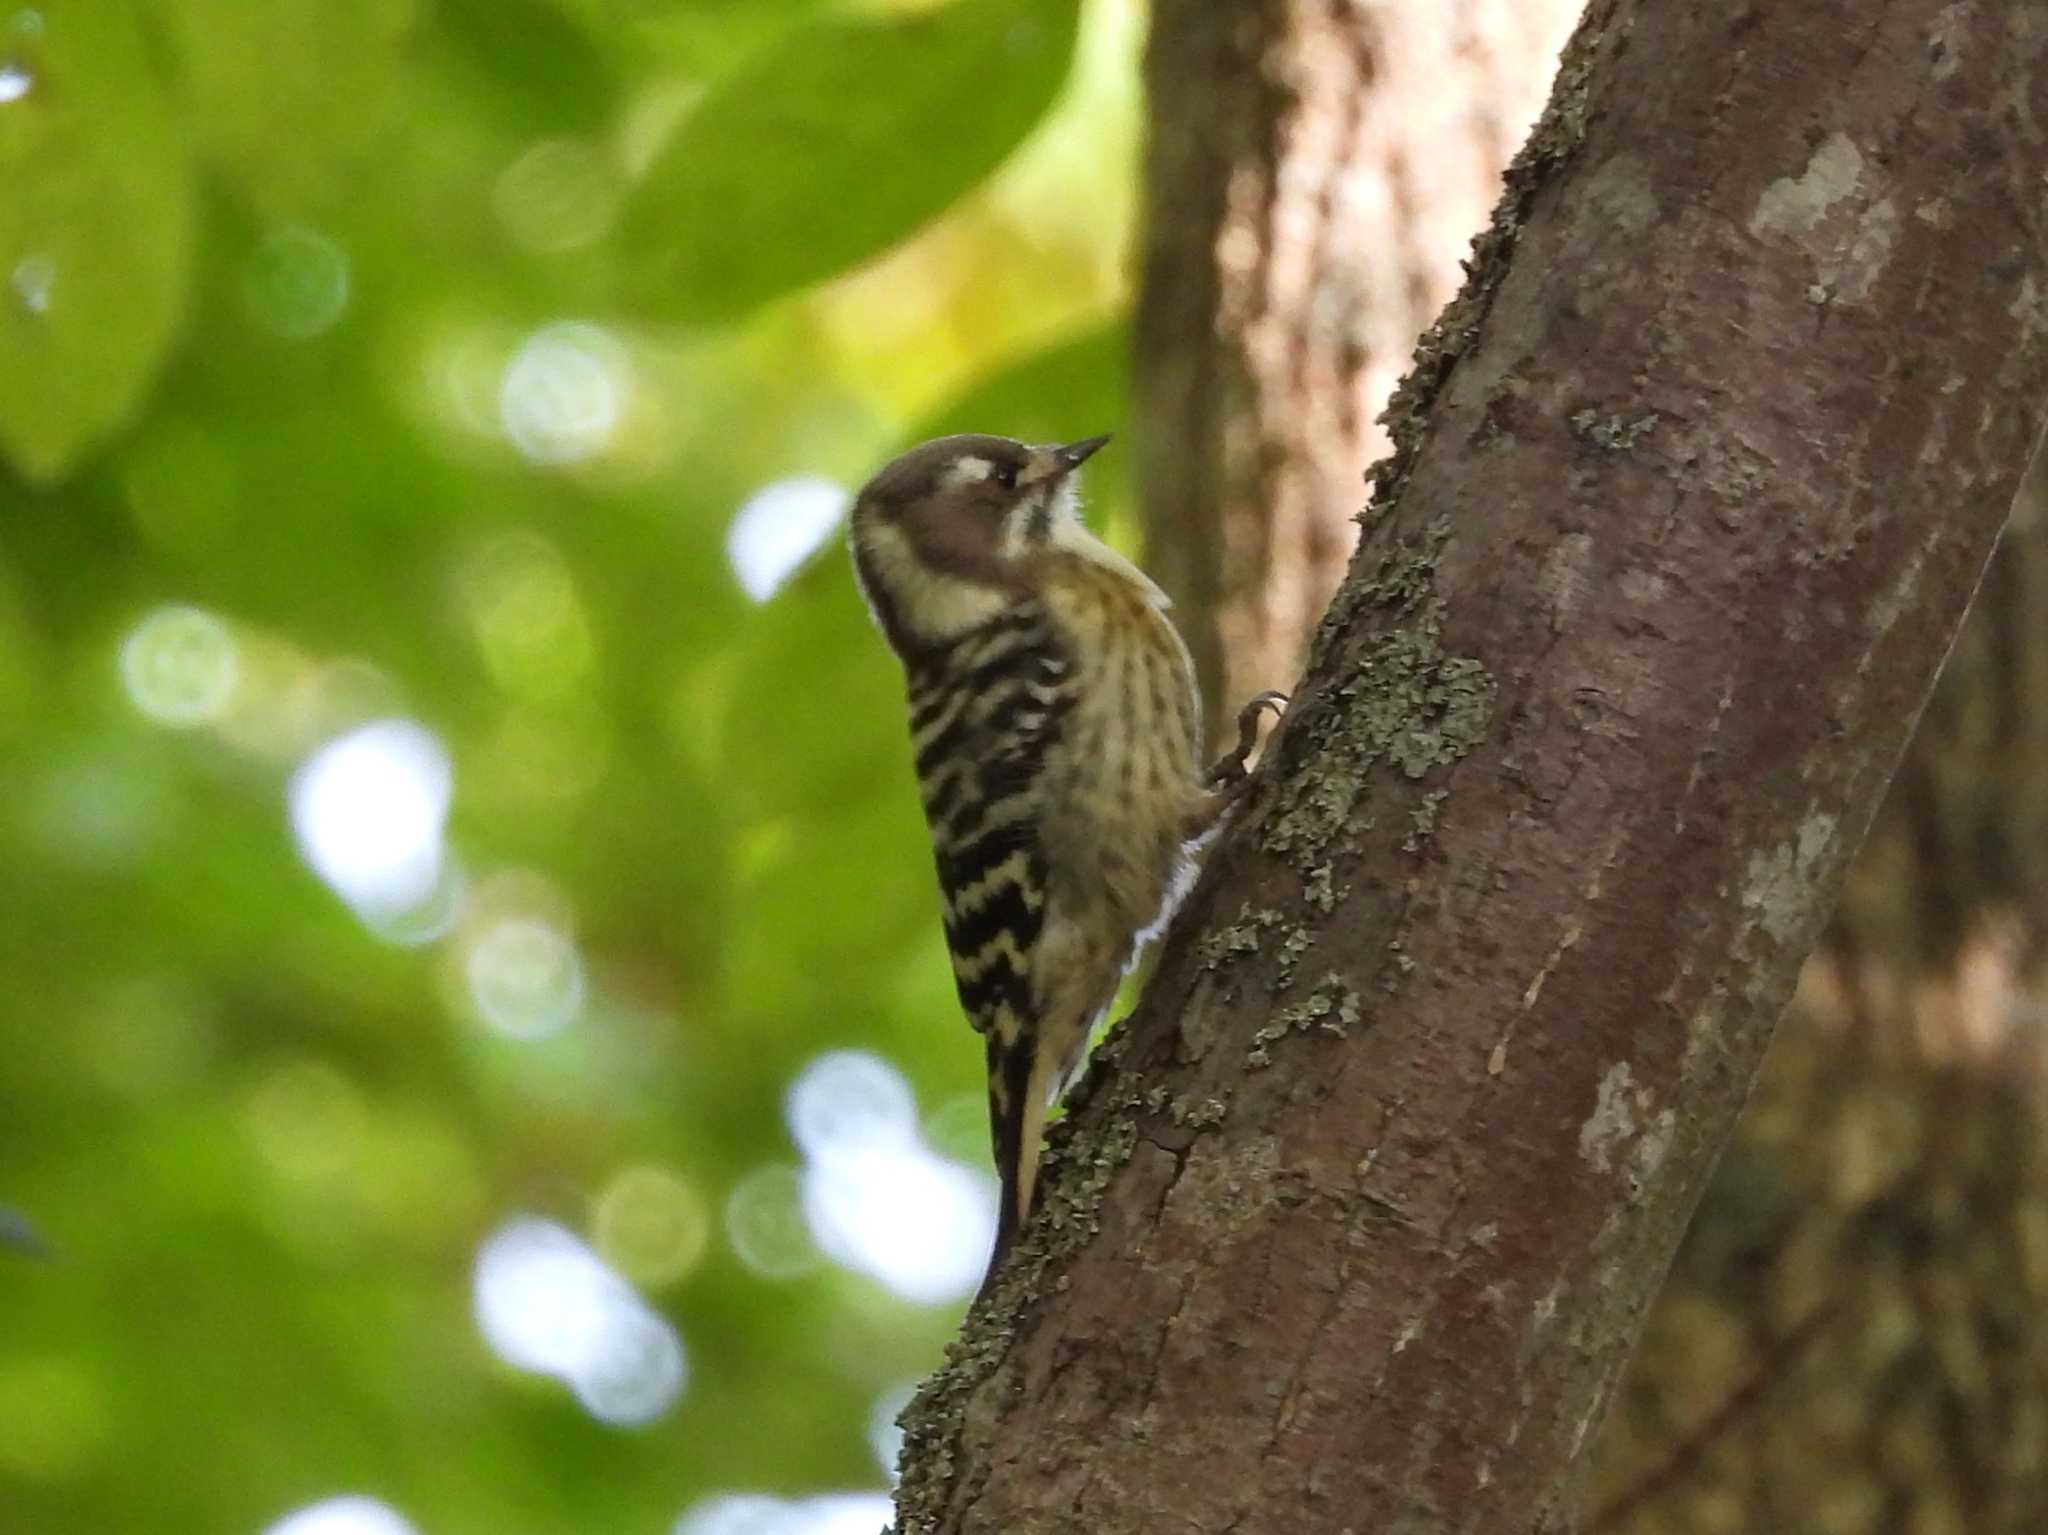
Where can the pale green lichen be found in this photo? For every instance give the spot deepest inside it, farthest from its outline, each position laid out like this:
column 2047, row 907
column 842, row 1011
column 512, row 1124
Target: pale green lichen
column 1617, row 434
column 1299, row 941
column 1201, row 1111
column 1403, row 702
column 1399, row 966
column 1226, row 945
column 1422, row 819
column 1320, row 888
column 1333, row 1007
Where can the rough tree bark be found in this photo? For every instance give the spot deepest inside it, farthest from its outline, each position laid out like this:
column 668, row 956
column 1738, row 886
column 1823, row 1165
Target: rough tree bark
column 1850, row 1337
column 1317, row 172
column 1844, row 1333
column 1354, row 1224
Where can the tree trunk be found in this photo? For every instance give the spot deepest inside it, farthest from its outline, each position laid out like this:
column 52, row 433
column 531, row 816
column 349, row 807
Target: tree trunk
column 1852, row 1327
column 1317, row 172
column 1354, row 1224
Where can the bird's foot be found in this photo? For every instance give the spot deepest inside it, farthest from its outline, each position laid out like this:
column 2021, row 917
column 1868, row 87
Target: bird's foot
column 1231, row 771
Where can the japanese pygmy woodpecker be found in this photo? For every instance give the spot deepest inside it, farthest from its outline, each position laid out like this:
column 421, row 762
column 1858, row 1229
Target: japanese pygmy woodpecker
column 1056, row 727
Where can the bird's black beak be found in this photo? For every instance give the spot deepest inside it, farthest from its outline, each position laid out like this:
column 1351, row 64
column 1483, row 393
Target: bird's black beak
column 1071, row 456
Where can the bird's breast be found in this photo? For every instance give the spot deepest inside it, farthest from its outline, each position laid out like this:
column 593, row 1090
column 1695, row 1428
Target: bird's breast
column 1124, row 777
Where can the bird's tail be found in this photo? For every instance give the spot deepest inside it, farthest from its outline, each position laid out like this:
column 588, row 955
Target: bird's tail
column 1026, row 1066
column 1010, row 1120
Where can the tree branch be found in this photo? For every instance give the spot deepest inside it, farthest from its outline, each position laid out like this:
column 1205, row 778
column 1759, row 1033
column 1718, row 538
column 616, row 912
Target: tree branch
column 1355, row 1222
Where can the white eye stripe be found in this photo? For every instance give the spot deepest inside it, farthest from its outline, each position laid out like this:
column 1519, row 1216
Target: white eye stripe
column 966, row 470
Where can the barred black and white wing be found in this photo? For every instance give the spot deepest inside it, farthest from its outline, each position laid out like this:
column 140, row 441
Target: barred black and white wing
column 985, row 715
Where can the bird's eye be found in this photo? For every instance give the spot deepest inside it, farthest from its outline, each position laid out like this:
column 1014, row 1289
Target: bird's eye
column 1004, row 475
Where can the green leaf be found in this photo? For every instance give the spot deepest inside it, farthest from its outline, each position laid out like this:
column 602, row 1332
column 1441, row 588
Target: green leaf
column 697, row 38
column 96, row 229
column 542, row 68
column 283, row 96
column 1073, row 388
column 837, row 142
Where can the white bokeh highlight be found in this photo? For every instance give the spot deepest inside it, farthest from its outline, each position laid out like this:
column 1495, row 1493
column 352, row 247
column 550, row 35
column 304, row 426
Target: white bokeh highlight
column 559, row 195
column 296, row 283
column 849, row 1099
column 885, row 1434
column 343, row 1516
column 877, row 1198
column 564, row 392
column 545, row 1302
column 749, row 1513
column 33, row 280
column 764, row 1222
column 370, row 810
column 525, row 977
column 779, row 527
column 180, row 666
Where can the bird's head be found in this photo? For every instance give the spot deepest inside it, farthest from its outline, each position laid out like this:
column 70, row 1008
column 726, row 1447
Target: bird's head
column 950, row 534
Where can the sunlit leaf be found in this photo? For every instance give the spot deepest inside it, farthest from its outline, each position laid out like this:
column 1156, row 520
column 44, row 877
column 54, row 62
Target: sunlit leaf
column 96, row 229
column 1074, row 388
column 539, row 66
column 837, row 142
column 277, row 93
column 700, row 37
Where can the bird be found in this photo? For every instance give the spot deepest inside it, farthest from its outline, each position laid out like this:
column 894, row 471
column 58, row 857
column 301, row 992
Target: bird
column 1056, row 732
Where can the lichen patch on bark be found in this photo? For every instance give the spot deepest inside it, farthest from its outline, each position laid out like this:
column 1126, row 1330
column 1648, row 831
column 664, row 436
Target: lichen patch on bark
column 1778, row 884
column 1830, row 212
column 1797, row 205
column 1615, row 1116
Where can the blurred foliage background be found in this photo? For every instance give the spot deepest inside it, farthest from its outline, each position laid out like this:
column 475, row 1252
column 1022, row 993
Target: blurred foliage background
column 477, row 1053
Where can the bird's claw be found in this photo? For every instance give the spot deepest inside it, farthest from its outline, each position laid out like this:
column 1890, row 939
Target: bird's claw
column 1230, row 772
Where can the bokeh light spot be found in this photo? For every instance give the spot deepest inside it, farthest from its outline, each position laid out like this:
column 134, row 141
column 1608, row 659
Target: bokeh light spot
column 651, row 1225
column 844, row 1513
column 921, row 1225
column 778, row 528
column 428, row 918
column 343, row 1516
column 560, row 195
column 635, row 1374
column 750, row 1513
column 525, row 976
column 736, row 1513
column 885, row 1434
column 522, row 607
column 296, row 283
column 307, row 1121
column 34, row 279
column 547, row 1303
column 877, row 1199
column 764, row 1221
column 15, row 82
column 849, row 1099
column 563, row 393
column 369, row 810
column 180, row 665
